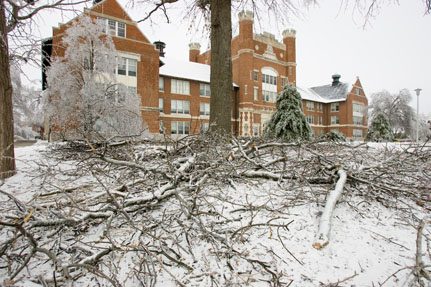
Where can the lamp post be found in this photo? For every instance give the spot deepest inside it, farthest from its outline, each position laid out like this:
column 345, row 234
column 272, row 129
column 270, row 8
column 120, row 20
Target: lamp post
column 418, row 91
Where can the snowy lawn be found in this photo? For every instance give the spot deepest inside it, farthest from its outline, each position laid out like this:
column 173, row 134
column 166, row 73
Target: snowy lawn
column 212, row 212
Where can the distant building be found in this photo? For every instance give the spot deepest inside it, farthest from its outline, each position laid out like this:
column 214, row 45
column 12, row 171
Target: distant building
column 175, row 95
column 339, row 106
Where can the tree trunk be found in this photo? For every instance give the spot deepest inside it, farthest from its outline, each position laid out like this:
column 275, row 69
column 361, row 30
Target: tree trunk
column 221, row 66
column 7, row 156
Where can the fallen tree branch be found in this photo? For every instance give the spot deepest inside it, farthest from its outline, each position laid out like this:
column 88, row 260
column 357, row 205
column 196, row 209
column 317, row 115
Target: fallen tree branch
column 326, row 218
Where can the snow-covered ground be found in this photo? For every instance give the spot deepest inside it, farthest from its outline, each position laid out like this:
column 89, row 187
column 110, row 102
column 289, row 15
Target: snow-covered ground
column 193, row 216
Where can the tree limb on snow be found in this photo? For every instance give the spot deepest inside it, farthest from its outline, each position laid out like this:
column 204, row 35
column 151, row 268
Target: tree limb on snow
column 325, row 219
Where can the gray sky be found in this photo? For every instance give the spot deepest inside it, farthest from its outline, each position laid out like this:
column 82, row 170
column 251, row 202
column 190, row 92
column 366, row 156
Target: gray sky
column 392, row 51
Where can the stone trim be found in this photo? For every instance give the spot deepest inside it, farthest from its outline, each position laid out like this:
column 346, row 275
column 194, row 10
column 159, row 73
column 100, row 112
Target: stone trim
column 269, row 39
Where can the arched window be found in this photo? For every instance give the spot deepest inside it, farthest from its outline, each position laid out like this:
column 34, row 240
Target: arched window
column 269, row 84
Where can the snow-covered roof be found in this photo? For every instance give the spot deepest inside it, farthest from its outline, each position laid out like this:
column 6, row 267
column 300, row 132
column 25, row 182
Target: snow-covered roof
column 310, row 94
column 185, row 70
column 333, row 93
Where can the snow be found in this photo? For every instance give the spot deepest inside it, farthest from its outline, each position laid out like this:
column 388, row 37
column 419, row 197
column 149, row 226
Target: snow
column 368, row 241
column 310, row 95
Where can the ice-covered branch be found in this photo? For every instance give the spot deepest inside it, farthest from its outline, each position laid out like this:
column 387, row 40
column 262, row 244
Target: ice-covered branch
column 322, row 238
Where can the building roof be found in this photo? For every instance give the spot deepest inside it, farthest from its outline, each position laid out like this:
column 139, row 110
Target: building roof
column 186, row 70
column 325, row 94
column 309, row 94
column 333, row 93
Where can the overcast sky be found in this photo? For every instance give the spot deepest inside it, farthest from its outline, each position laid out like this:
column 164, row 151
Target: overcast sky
column 392, row 51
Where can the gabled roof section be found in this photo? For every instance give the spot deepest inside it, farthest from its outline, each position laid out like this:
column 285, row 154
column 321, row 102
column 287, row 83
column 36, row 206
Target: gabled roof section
column 186, row 70
column 112, row 8
column 334, row 92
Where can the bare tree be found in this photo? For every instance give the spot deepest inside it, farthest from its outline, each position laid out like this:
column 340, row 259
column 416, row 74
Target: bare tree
column 83, row 98
column 14, row 15
column 396, row 107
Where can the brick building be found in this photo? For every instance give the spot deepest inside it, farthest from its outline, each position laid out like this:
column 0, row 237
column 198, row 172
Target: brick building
column 261, row 65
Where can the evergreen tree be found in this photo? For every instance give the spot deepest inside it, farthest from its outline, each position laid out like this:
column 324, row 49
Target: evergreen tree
column 380, row 129
column 333, row 136
column 288, row 122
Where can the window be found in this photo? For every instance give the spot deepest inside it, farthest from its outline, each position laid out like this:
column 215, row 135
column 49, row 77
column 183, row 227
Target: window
column 290, row 71
column 116, row 93
column 269, row 85
column 335, row 120
column 205, row 90
column 205, row 109
column 335, row 107
column 161, row 84
column 121, row 29
column 268, row 96
column 180, row 128
column 101, row 24
column 358, row 91
column 357, row 109
column 310, row 106
column 180, row 107
column 245, row 89
column 113, row 27
column 256, row 130
column 121, row 66
column 256, row 76
column 161, row 127
column 319, row 107
column 256, row 93
column 204, row 127
column 131, row 67
column 357, row 133
column 180, row 87
column 268, row 79
column 310, row 119
column 357, row 121
column 126, row 66
column 283, row 81
column 320, row 120
column 161, row 102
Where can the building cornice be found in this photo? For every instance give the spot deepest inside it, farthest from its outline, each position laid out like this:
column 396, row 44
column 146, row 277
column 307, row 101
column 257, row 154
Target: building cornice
column 262, row 57
column 268, row 39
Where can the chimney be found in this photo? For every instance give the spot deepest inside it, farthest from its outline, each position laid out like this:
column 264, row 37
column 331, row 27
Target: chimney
column 194, row 51
column 161, row 47
column 336, row 79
